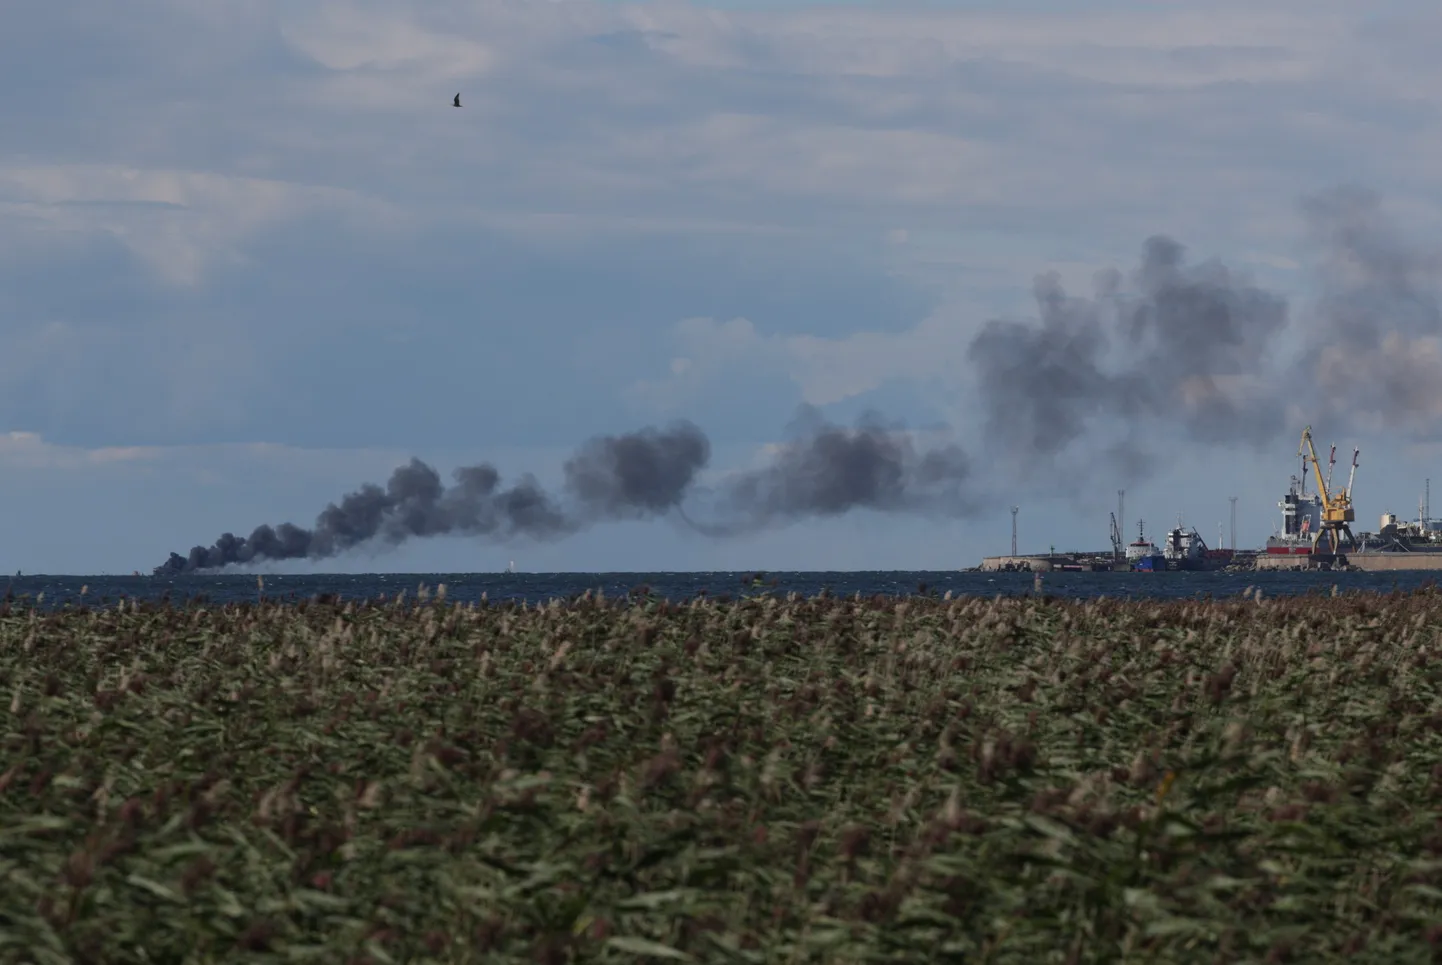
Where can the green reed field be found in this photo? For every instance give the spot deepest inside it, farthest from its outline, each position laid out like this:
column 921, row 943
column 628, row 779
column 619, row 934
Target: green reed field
column 767, row 780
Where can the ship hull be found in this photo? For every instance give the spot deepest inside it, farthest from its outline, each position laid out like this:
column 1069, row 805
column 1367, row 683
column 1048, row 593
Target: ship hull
column 1193, row 564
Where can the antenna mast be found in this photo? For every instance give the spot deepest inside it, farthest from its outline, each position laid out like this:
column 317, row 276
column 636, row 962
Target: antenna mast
column 1013, row 530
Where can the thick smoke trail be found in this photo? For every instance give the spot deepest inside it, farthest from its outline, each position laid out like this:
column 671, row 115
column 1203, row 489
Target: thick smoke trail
column 636, row 475
column 829, row 470
column 826, row 470
column 614, row 477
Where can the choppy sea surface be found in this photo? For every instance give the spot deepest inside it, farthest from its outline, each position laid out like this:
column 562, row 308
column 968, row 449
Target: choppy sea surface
column 59, row 591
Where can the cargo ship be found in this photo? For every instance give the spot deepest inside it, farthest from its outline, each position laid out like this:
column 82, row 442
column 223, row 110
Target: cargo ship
column 1186, row 550
column 1301, row 521
column 1422, row 535
column 1142, row 553
column 1183, row 549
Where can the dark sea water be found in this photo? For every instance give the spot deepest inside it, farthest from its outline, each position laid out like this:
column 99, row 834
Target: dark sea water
column 59, row 591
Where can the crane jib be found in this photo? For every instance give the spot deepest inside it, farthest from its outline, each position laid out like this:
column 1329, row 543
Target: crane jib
column 1337, row 510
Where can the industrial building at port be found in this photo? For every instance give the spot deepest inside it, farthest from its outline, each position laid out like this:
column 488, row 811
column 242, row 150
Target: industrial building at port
column 1316, row 533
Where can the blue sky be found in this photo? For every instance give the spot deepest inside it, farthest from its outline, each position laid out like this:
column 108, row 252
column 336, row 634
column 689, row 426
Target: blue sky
column 250, row 257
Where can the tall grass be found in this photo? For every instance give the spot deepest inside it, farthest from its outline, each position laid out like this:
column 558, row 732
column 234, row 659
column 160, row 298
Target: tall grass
column 770, row 780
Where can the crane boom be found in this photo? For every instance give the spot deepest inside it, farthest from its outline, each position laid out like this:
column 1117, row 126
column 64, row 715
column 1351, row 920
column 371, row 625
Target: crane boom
column 1337, row 512
column 1308, row 452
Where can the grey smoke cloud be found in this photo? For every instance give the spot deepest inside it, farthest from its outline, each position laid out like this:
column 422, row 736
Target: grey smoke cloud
column 639, row 474
column 1040, row 383
column 1196, row 351
column 825, row 470
column 1185, row 345
column 829, row 470
column 1373, row 356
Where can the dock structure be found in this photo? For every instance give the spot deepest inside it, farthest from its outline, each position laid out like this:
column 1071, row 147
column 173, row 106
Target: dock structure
column 1365, row 562
column 1384, row 562
column 1397, row 546
column 1008, row 564
column 1048, row 562
column 1297, row 561
column 1242, row 560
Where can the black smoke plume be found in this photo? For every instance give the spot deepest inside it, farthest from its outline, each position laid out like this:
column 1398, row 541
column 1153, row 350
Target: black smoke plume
column 612, row 477
column 830, row 470
column 824, row 470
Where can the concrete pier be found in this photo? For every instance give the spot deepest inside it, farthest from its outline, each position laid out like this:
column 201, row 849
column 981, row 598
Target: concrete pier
column 1288, row 561
column 1366, row 562
column 997, row 564
column 1045, row 563
column 1388, row 562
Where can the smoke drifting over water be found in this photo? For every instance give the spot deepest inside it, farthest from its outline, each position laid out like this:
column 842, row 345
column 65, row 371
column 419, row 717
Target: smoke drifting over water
column 645, row 474
column 613, row 477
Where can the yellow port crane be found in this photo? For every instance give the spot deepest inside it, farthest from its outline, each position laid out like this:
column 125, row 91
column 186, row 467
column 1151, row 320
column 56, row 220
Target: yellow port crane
column 1337, row 513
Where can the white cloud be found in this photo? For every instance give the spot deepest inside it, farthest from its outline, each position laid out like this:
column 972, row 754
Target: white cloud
column 384, row 41
column 26, row 450
column 825, row 370
column 1176, row 46
column 947, row 110
column 175, row 220
column 23, row 450
column 662, row 116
